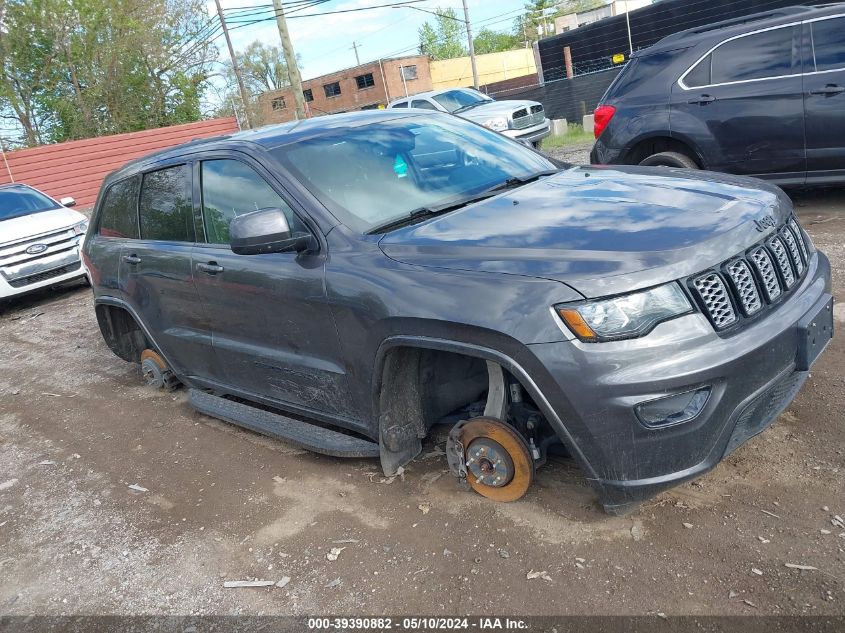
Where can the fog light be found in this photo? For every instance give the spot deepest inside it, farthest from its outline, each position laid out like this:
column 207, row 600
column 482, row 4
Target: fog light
column 681, row 407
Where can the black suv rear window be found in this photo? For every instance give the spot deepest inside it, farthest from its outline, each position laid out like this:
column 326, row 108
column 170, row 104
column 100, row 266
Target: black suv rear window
column 828, row 44
column 119, row 214
column 165, row 206
column 767, row 54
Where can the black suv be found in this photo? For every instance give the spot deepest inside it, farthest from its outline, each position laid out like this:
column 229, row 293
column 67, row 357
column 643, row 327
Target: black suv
column 347, row 282
column 761, row 95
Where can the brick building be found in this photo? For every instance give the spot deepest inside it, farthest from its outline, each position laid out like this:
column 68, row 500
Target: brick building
column 359, row 88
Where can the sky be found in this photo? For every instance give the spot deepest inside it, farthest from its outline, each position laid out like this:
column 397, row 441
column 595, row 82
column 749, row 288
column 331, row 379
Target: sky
column 324, row 43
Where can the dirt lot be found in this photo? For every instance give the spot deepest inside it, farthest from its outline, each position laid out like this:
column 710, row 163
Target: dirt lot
column 77, row 428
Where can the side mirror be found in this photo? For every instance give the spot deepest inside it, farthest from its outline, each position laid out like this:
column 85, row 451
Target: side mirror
column 67, row 202
column 265, row 231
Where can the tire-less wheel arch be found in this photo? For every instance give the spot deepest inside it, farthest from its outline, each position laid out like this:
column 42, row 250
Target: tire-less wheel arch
column 396, row 388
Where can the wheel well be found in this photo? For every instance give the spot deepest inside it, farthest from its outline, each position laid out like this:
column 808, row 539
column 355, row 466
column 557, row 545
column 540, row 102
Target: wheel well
column 121, row 332
column 658, row 144
column 421, row 387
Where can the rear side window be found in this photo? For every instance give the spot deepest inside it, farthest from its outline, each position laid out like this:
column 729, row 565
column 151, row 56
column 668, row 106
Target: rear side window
column 165, row 205
column 700, row 75
column 768, row 54
column 828, row 44
column 119, row 213
column 229, row 189
column 422, row 103
column 401, row 104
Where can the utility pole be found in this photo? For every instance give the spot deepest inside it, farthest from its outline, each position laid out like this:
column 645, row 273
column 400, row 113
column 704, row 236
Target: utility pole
column 355, row 48
column 235, row 66
column 290, row 58
column 471, row 46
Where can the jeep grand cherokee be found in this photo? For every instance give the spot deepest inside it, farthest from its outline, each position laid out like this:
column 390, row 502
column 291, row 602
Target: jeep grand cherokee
column 347, row 282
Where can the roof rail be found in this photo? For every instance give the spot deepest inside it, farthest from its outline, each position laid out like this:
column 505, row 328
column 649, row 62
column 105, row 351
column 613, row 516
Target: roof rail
column 743, row 19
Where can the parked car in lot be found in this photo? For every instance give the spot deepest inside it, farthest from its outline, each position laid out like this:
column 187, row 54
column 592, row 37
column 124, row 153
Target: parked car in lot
column 349, row 281
column 522, row 120
column 39, row 240
column 761, row 95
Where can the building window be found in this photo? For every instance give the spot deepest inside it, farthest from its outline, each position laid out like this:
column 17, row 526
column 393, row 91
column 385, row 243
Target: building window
column 409, row 72
column 308, row 95
column 365, row 81
column 332, row 89
column 279, row 103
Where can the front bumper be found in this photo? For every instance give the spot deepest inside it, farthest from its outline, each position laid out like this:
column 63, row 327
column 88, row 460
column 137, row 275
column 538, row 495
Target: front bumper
column 531, row 134
column 752, row 373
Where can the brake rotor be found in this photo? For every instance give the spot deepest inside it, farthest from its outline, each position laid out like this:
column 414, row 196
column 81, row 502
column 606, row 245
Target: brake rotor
column 155, row 371
column 498, row 462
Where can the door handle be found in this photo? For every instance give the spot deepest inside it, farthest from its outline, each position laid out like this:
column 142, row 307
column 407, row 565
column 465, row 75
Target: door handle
column 702, row 100
column 829, row 89
column 211, row 268
column 131, row 259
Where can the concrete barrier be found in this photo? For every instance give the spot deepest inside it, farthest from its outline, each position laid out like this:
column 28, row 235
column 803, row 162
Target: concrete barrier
column 560, row 127
column 587, row 122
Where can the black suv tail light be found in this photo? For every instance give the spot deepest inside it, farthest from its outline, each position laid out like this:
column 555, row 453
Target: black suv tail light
column 601, row 117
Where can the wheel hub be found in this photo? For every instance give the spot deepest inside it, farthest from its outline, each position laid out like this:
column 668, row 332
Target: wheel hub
column 155, row 371
column 498, row 463
column 489, row 463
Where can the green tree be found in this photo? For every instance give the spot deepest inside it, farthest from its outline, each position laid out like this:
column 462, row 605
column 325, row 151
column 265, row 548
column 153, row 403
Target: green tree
column 488, row 41
column 80, row 68
column 445, row 38
column 263, row 69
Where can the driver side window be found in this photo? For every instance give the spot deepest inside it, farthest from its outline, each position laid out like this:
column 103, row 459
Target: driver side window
column 231, row 188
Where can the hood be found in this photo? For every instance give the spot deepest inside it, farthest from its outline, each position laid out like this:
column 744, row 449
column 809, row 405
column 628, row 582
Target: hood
column 495, row 108
column 601, row 231
column 36, row 224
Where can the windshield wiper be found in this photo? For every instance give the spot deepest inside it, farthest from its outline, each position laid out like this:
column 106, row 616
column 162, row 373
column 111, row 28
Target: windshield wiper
column 421, row 213
column 468, row 106
column 515, row 181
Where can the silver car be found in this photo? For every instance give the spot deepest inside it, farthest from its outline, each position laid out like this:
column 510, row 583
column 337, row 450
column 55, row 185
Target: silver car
column 519, row 119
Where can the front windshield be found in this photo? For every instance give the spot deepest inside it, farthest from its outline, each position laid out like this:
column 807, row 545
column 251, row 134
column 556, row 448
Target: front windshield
column 370, row 175
column 460, row 100
column 17, row 201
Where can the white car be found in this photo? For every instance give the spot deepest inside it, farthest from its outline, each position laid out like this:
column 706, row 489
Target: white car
column 521, row 120
column 40, row 240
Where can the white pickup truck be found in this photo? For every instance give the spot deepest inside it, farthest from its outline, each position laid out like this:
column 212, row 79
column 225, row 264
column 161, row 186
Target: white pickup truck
column 522, row 120
column 40, row 240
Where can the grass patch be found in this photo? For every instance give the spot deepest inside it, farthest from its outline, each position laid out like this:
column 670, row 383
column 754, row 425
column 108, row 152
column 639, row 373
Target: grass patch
column 577, row 135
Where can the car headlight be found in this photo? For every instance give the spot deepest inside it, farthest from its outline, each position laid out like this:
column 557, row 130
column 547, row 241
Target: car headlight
column 626, row 316
column 81, row 228
column 497, row 124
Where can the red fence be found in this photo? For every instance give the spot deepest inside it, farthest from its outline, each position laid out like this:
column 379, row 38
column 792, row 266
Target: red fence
column 77, row 168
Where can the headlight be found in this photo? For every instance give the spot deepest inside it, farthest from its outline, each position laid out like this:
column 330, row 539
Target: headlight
column 79, row 229
column 626, row 316
column 498, row 124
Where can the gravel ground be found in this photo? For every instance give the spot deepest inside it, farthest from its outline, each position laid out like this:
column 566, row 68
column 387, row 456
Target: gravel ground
column 77, row 429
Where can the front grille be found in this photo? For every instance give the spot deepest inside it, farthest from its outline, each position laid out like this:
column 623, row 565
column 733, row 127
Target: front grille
column 743, row 283
column 762, row 263
column 47, row 274
column 782, row 259
column 714, row 294
column 528, row 116
column 744, row 286
column 792, row 244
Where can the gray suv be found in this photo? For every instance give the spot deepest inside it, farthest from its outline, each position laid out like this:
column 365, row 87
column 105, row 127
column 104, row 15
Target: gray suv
column 349, row 282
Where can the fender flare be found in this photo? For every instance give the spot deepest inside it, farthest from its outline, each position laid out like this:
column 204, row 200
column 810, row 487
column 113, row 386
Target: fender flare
column 656, row 134
column 108, row 300
column 487, row 354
